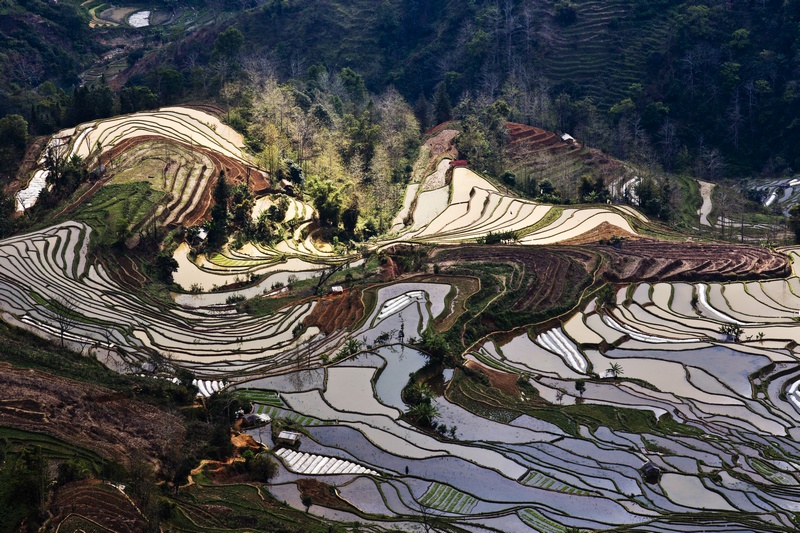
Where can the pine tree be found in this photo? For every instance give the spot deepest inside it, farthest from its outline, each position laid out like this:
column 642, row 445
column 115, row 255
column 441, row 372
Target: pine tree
column 443, row 110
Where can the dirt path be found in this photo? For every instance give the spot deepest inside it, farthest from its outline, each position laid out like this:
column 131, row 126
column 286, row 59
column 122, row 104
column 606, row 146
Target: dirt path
column 706, row 189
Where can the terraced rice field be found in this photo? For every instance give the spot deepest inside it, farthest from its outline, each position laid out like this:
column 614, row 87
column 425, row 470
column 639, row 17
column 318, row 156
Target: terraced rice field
column 108, row 141
column 470, row 208
column 570, row 408
column 51, row 265
column 591, row 480
column 448, row 499
column 27, row 196
column 186, row 125
column 588, row 53
column 783, row 193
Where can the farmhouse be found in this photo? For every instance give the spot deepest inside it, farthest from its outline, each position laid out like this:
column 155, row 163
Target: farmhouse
column 255, row 419
column 288, row 187
column 288, row 438
column 650, row 472
column 569, row 139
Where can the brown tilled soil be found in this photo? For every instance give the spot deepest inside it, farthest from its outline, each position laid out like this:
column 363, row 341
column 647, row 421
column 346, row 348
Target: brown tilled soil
column 90, row 416
column 523, row 140
column 236, row 173
column 552, row 276
column 602, row 231
column 648, row 260
column 390, row 270
column 634, row 260
column 96, row 502
column 336, row 311
column 502, row 381
column 245, row 441
column 322, row 494
column 527, row 143
column 442, row 144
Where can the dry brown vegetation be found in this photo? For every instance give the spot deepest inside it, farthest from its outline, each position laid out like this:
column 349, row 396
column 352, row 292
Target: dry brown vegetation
column 87, row 415
column 336, row 312
column 322, row 494
column 647, row 260
column 603, row 231
column 502, row 381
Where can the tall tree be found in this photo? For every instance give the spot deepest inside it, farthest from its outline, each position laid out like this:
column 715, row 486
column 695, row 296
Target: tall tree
column 442, row 108
column 218, row 230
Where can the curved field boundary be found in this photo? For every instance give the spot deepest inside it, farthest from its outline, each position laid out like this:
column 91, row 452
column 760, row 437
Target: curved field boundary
column 105, row 314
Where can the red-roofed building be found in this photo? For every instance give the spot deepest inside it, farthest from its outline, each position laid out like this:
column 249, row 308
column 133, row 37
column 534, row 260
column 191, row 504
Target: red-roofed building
column 458, row 163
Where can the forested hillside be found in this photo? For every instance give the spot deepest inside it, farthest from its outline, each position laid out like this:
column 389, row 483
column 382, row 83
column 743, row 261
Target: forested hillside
column 693, row 75
column 711, row 87
column 40, row 41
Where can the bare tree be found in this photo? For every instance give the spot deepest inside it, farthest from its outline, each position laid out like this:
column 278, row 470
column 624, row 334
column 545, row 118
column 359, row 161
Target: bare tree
column 429, row 517
column 750, row 94
column 65, row 315
column 222, row 67
column 304, row 132
column 712, row 163
column 528, row 23
column 259, row 68
column 669, row 143
column 510, row 26
column 729, row 203
column 734, row 116
column 689, row 63
column 190, row 59
column 25, row 68
column 297, row 66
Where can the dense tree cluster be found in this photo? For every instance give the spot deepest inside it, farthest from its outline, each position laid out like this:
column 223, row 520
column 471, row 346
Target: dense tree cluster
column 723, row 78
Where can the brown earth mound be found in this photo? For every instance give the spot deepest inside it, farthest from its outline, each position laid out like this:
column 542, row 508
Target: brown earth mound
column 336, row 312
column 502, row 381
column 523, row 140
column 245, row 441
column 323, row 494
column 96, row 502
column 602, row 231
column 442, row 144
column 90, row 416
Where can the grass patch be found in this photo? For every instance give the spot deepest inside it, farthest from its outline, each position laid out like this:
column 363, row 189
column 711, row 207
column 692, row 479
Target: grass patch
column 264, row 305
column 446, row 498
column 260, row 396
column 539, row 523
column 686, row 216
column 15, row 440
column 115, row 206
column 549, row 217
column 491, row 403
